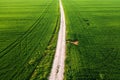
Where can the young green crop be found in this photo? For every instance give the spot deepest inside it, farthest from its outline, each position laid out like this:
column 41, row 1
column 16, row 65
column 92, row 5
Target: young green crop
column 27, row 29
column 94, row 24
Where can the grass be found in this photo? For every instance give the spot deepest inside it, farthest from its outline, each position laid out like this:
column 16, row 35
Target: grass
column 45, row 64
column 27, row 31
column 95, row 25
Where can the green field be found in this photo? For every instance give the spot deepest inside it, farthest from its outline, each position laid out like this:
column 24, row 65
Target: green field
column 28, row 34
column 29, row 31
column 95, row 24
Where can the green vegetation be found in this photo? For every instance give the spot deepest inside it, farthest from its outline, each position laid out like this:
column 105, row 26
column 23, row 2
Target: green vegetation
column 95, row 24
column 28, row 34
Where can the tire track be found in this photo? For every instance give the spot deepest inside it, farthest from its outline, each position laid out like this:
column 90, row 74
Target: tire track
column 27, row 33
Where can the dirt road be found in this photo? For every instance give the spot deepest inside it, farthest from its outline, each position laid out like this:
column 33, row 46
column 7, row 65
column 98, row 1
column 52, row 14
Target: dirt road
column 57, row 72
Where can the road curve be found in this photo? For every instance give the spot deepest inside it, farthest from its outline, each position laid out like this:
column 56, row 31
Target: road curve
column 57, row 71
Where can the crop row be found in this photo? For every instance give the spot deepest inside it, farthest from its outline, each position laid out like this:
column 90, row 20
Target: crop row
column 92, row 24
column 20, row 58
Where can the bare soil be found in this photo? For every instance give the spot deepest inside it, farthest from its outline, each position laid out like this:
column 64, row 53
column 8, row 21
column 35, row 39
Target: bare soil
column 57, row 71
